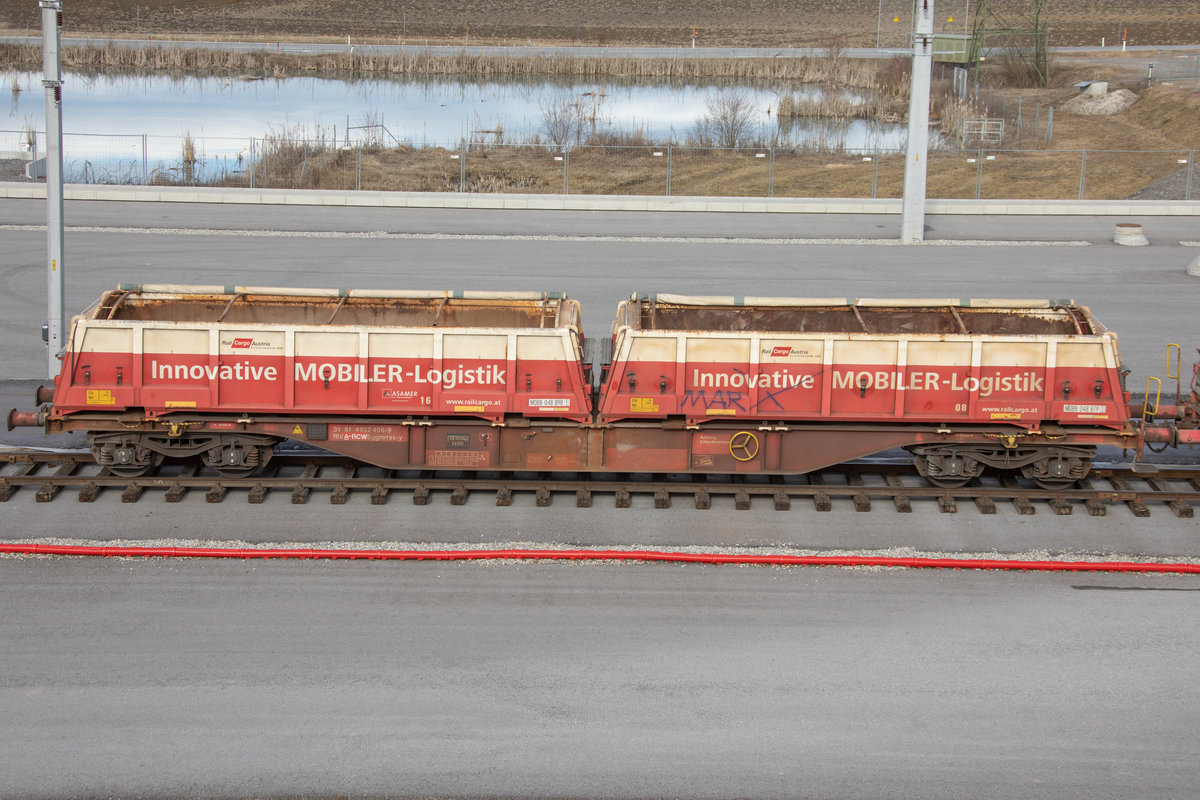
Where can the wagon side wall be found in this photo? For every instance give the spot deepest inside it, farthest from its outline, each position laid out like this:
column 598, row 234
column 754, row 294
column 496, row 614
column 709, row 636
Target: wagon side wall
column 1021, row 379
column 163, row 367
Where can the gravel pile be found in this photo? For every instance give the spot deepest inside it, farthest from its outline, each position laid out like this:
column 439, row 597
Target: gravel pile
column 1111, row 103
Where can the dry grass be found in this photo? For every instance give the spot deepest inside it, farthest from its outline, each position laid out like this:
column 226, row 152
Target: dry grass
column 851, row 23
column 1172, row 114
column 703, row 171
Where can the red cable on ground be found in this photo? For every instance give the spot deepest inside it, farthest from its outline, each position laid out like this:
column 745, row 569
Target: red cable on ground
column 598, row 555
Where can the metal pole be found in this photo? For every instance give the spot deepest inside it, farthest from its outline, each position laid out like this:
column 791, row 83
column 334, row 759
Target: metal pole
column 52, row 80
column 875, row 173
column 668, row 170
column 1187, row 189
column 878, row 23
column 912, row 219
column 566, row 170
column 145, row 161
column 978, row 173
column 1082, row 172
column 771, row 173
column 1019, row 99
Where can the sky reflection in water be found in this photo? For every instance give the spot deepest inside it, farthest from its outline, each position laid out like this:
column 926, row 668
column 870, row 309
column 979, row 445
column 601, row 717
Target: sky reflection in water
column 222, row 114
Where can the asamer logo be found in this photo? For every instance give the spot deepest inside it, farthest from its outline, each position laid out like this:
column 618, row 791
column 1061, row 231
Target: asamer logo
column 243, row 344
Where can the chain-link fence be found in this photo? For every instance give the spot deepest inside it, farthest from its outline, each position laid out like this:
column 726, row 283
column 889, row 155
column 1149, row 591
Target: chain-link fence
column 667, row 170
column 1176, row 67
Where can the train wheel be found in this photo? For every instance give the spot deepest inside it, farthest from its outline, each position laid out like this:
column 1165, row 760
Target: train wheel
column 947, row 467
column 235, row 472
column 1057, row 471
column 948, row 483
column 234, row 458
column 126, row 457
column 136, row 470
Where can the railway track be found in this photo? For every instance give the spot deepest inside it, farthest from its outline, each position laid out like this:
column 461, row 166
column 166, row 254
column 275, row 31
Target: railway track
column 861, row 485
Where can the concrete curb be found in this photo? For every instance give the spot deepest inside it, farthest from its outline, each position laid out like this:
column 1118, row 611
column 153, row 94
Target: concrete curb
column 561, row 202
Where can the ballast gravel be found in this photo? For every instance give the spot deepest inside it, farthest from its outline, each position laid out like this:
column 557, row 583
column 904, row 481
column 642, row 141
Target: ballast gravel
column 893, row 552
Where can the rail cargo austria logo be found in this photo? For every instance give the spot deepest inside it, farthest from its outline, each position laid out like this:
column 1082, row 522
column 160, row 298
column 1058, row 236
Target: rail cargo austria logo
column 242, row 343
column 781, row 352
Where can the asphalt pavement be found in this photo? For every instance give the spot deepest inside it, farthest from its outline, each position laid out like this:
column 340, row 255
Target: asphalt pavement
column 182, row 679
column 317, row 679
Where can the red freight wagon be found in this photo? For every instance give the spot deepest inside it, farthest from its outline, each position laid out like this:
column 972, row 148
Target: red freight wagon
column 421, row 380
column 167, row 350
column 761, row 359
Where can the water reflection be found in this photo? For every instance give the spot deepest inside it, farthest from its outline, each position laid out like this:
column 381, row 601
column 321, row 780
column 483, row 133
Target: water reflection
column 423, row 112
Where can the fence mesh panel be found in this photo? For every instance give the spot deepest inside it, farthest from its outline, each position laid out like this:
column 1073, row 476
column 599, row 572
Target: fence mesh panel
column 620, row 170
column 287, row 162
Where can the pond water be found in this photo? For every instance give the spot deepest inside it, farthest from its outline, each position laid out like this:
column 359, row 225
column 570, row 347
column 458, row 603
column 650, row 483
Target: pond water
column 107, row 116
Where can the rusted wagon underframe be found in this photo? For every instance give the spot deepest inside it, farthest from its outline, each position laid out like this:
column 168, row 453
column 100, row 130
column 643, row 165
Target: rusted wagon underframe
column 947, row 456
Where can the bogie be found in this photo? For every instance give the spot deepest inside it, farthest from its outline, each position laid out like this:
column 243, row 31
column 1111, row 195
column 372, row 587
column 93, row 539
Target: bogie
column 1050, row 467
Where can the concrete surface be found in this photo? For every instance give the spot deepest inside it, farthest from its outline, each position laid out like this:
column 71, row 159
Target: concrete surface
column 180, row 679
column 547, row 202
column 224, row 680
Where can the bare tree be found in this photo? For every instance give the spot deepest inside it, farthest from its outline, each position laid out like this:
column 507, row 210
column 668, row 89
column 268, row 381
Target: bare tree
column 728, row 120
column 560, row 118
column 567, row 117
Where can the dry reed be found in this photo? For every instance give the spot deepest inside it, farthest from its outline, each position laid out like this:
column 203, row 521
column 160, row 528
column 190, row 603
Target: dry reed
column 844, row 72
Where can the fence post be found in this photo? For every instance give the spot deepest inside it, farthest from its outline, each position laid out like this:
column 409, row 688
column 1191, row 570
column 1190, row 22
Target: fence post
column 668, row 170
column 145, row 162
column 1050, row 125
column 250, row 162
column 771, row 172
column 875, row 172
column 1082, row 172
column 1187, row 190
column 358, row 167
column 1019, row 99
column 978, row 172
column 462, row 165
column 566, row 170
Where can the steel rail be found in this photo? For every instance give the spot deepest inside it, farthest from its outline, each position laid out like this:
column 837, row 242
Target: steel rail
column 910, row 562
